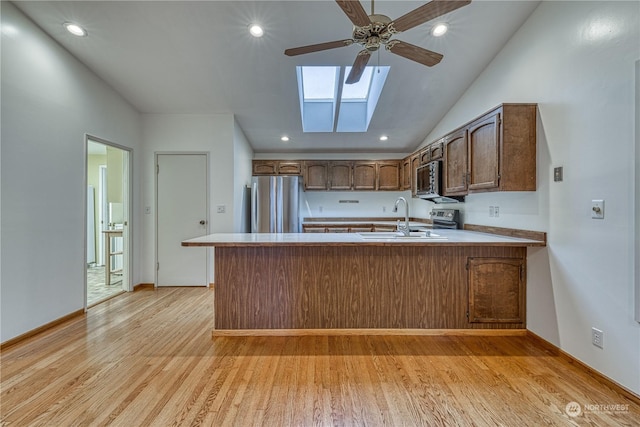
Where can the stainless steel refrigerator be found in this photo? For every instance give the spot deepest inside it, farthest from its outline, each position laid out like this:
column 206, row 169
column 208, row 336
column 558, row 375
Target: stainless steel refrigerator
column 274, row 204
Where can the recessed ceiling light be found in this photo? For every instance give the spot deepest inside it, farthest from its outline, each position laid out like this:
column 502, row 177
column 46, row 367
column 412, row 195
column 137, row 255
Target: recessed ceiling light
column 439, row 30
column 285, row 138
column 256, row 30
column 384, row 138
column 75, row 29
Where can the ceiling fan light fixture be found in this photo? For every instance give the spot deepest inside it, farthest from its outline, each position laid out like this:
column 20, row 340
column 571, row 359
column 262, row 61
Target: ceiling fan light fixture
column 256, row 30
column 439, row 29
column 75, row 29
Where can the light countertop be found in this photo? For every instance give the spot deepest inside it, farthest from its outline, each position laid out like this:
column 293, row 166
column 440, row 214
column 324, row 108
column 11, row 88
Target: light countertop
column 444, row 238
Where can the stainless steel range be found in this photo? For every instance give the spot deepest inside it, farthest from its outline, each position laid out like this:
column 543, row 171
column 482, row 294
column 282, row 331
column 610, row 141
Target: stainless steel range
column 445, row 218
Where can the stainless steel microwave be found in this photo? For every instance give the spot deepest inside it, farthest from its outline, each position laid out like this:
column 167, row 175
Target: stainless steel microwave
column 428, row 179
column 429, row 183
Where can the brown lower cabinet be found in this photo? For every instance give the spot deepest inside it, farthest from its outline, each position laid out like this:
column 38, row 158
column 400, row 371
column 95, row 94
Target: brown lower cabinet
column 496, row 290
column 315, row 228
column 397, row 286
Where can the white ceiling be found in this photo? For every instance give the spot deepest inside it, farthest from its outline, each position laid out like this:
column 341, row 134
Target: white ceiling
column 197, row 57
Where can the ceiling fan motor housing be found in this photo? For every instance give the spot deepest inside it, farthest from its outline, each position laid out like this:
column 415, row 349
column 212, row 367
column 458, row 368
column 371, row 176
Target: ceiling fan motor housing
column 374, row 34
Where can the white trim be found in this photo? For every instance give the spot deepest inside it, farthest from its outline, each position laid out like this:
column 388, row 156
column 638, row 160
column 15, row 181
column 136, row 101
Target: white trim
column 128, row 242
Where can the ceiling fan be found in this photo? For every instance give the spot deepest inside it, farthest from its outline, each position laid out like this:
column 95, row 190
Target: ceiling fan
column 372, row 31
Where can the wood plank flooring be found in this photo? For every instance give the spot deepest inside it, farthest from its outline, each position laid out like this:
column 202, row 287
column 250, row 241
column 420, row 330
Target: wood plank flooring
column 148, row 359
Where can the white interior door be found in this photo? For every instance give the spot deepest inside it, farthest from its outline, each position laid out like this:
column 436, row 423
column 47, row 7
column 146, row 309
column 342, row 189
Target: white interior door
column 181, row 214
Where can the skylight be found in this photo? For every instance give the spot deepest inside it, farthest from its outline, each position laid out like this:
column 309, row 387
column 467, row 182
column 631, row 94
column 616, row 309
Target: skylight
column 319, row 89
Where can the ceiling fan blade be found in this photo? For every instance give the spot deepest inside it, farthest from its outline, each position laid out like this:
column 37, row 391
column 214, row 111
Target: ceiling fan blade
column 414, row 53
column 356, row 13
column 317, row 47
column 427, row 12
column 358, row 67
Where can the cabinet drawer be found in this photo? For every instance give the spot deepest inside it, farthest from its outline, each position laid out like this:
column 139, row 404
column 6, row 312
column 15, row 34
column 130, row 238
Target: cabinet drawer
column 289, row 168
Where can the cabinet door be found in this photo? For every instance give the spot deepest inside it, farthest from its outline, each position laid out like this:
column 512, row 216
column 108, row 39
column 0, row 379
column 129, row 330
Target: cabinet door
column 315, row 176
column 364, row 175
column 265, row 167
column 425, row 156
column 340, row 174
column 406, row 173
column 436, row 150
column 415, row 162
column 484, row 145
column 289, row 168
column 388, row 176
column 455, row 164
column 496, row 290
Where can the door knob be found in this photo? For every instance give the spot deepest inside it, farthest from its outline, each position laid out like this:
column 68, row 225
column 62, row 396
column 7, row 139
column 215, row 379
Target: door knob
column 203, row 222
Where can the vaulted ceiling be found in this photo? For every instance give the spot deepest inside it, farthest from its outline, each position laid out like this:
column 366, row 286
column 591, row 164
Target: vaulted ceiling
column 198, row 58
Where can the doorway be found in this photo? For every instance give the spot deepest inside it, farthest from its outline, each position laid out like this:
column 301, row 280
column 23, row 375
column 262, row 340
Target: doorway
column 108, row 181
column 181, row 213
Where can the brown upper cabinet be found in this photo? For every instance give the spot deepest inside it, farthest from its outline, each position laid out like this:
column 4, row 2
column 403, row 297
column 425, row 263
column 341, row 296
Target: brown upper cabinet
column 359, row 175
column 406, row 173
column 315, row 175
column 436, row 150
column 455, row 166
column 495, row 152
column 425, row 156
column 364, row 176
column 388, row 175
column 415, row 162
column 340, row 175
column 277, row 167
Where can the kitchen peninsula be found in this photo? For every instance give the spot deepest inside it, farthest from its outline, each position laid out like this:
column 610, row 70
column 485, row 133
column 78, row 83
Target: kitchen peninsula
column 322, row 282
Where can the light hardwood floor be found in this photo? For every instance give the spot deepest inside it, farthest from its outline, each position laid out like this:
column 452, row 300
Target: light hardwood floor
column 148, row 359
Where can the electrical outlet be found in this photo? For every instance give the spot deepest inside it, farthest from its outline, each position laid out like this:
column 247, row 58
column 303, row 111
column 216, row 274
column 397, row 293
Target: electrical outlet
column 384, row 209
column 221, row 208
column 597, row 209
column 320, row 209
column 497, row 211
column 492, row 211
column 597, row 337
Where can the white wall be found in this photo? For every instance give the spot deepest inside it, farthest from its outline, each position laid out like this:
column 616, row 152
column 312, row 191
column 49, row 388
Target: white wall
column 577, row 61
column 49, row 101
column 216, row 134
column 349, row 204
column 242, row 156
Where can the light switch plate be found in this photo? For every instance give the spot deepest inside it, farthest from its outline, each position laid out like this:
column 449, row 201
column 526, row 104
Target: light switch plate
column 597, row 209
column 557, row 174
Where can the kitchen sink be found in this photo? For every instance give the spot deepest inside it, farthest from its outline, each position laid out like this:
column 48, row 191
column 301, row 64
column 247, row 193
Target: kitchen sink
column 396, row 235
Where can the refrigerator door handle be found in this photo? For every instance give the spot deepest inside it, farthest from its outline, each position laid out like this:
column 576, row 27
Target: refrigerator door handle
column 273, row 204
column 279, row 205
column 254, row 210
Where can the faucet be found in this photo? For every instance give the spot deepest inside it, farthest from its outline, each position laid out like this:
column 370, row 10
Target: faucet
column 403, row 228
